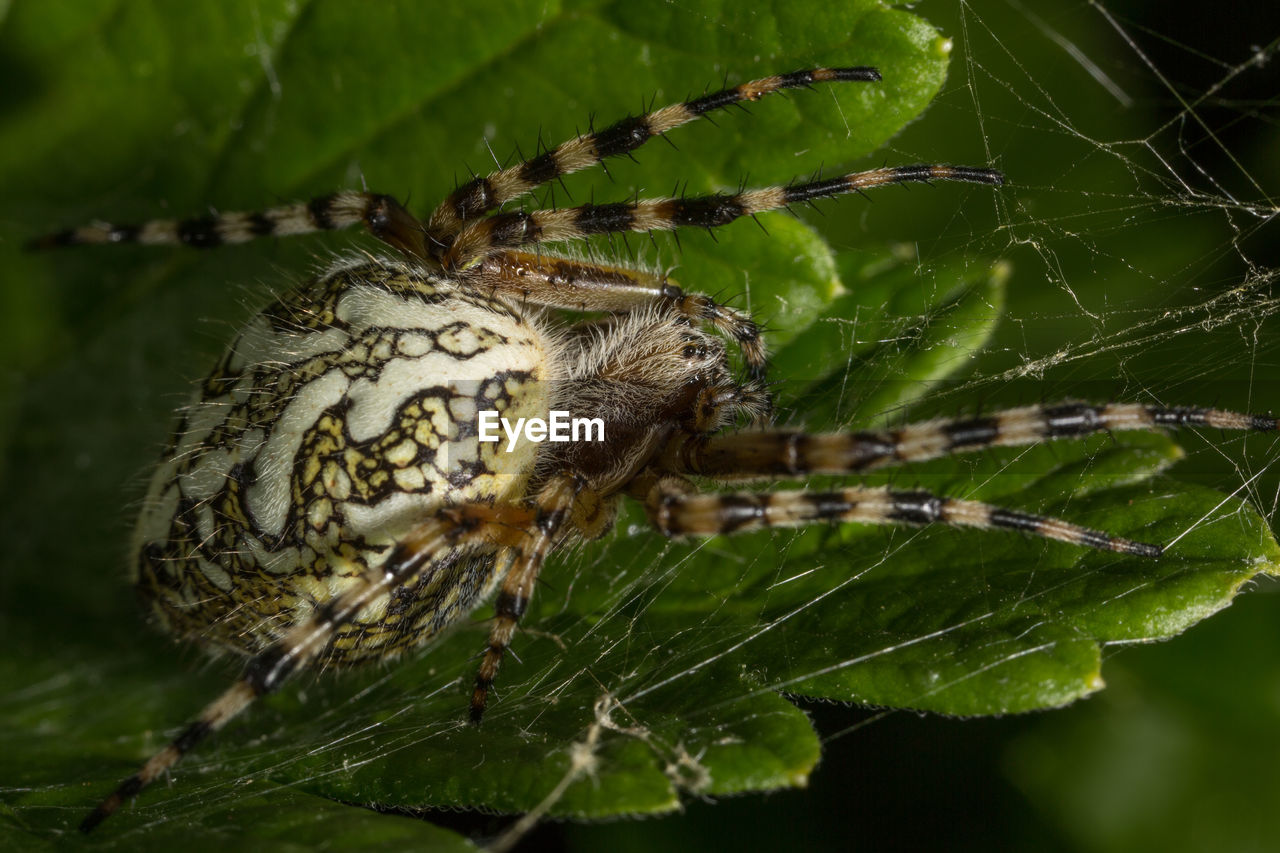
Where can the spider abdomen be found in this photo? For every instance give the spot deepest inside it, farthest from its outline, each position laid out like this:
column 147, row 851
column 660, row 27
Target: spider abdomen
column 342, row 415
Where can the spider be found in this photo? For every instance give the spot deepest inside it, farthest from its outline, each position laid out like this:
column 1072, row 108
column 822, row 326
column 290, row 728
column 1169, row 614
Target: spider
column 327, row 498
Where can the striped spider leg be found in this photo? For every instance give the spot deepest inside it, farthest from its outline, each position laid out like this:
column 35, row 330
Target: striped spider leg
column 481, row 237
column 520, row 534
column 555, row 282
column 387, row 220
column 677, row 511
column 383, row 217
column 790, row 453
column 459, row 236
column 482, row 195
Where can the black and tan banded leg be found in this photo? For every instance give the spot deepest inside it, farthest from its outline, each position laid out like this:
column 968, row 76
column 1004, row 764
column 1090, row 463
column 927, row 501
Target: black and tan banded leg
column 521, row 228
column 677, row 514
column 484, row 194
column 382, row 215
column 464, row 526
column 555, row 282
column 553, row 508
column 785, row 453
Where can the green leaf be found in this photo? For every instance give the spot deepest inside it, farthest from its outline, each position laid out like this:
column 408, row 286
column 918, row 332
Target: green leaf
column 899, row 332
column 1168, row 737
column 650, row 671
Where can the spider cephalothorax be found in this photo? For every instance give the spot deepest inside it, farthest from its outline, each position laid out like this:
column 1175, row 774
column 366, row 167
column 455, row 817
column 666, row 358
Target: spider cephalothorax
column 329, row 498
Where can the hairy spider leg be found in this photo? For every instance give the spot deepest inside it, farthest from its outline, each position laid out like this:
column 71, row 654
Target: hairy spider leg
column 461, row 526
column 521, row 228
column 785, row 453
column 555, row 282
column 484, row 194
column 678, row 515
column 553, row 506
column 383, row 216
column 387, row 220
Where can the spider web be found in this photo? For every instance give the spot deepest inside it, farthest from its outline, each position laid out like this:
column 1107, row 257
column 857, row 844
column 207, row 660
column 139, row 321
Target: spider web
column 1132, row 256
column 1141, row 227
column 1142, row 237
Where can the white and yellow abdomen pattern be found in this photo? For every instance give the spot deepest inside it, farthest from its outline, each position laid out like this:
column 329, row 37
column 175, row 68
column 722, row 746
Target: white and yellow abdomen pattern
column 343, row 415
